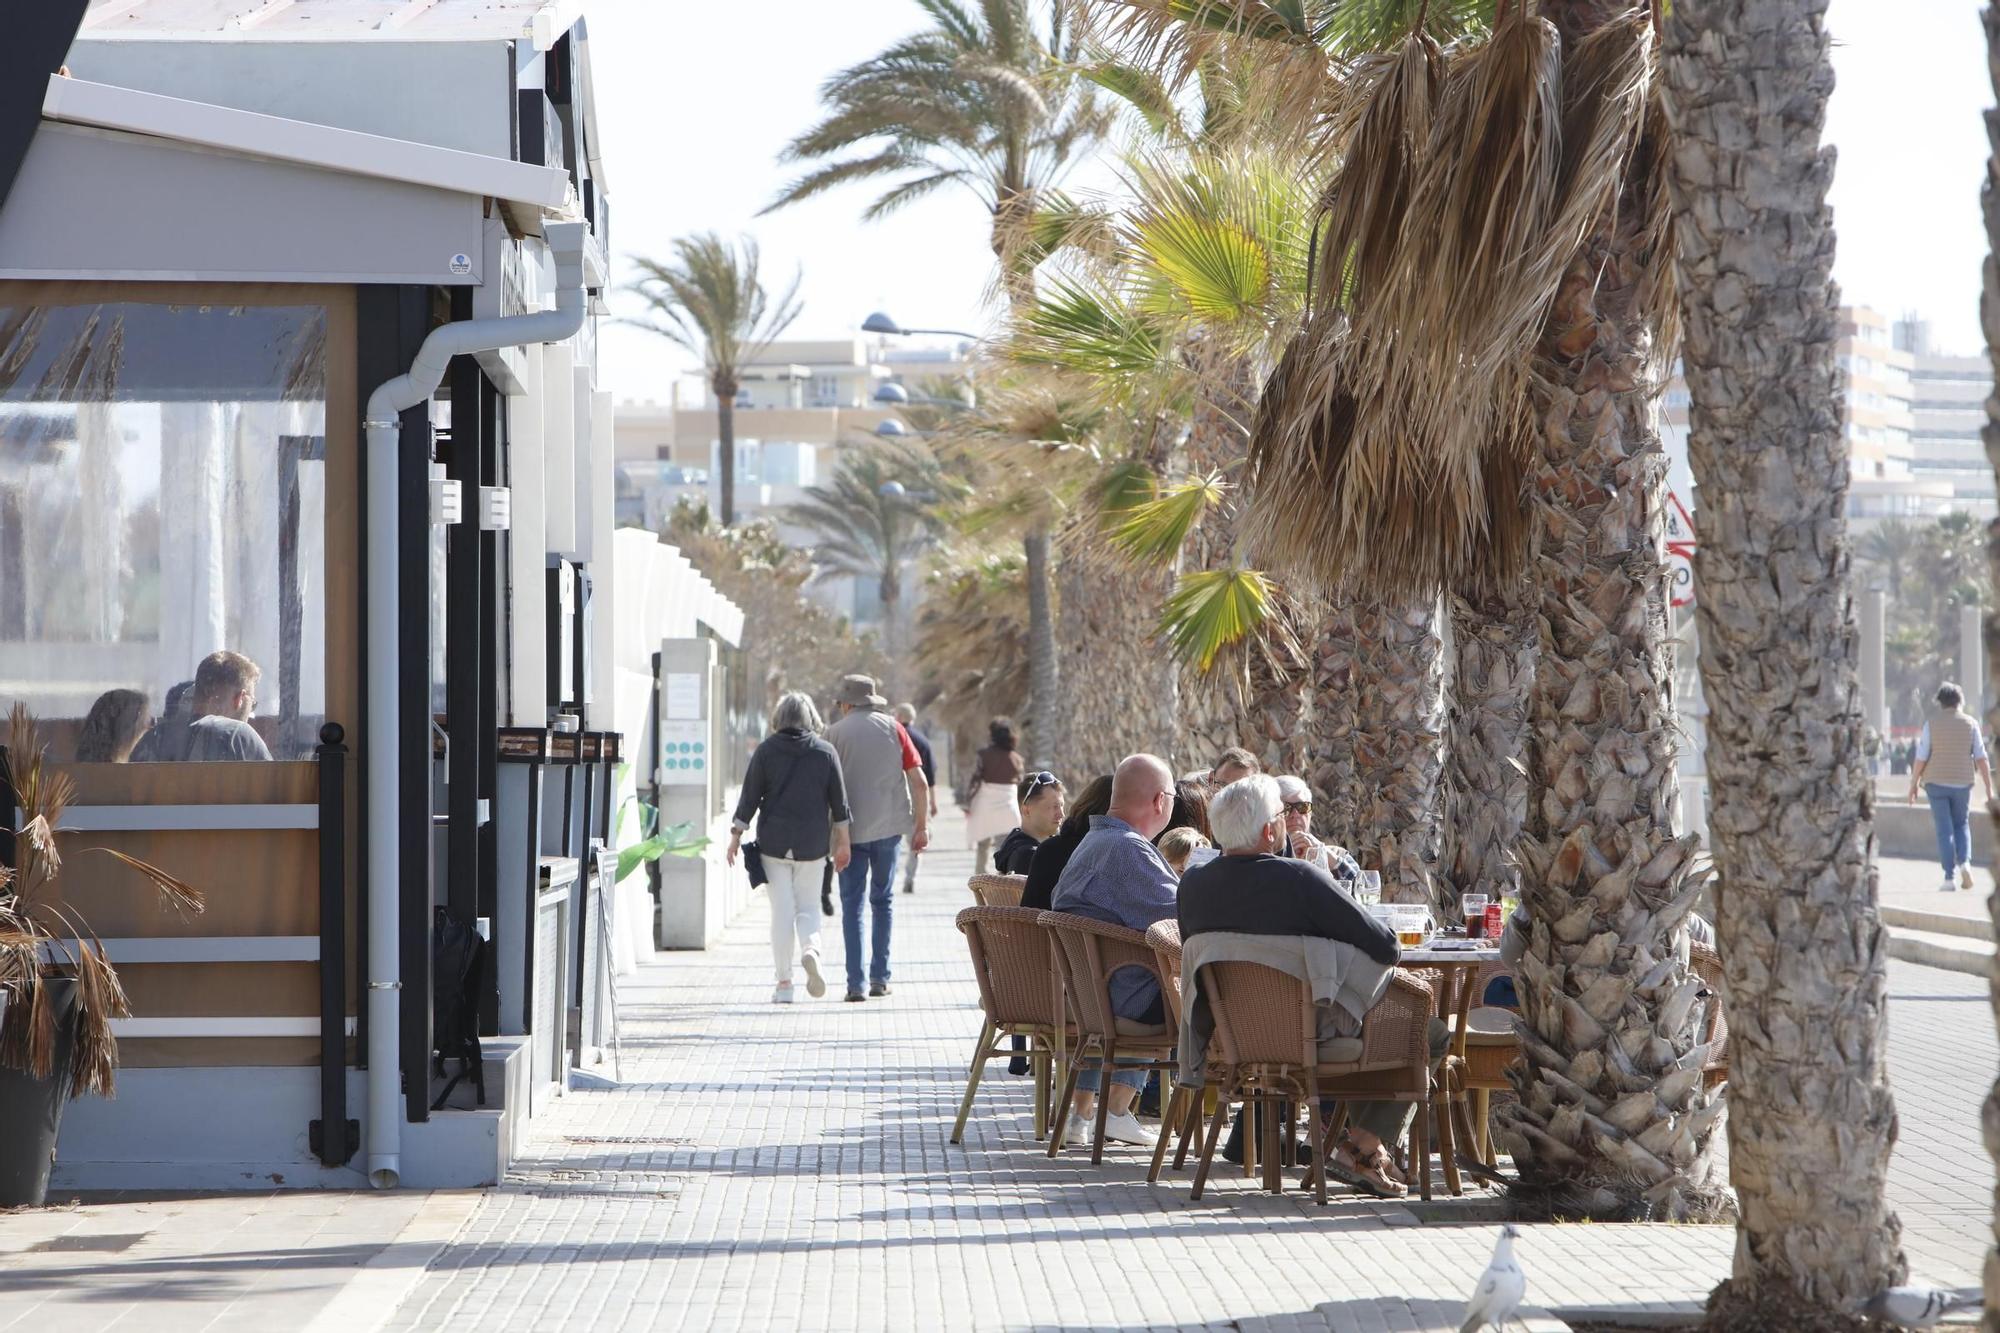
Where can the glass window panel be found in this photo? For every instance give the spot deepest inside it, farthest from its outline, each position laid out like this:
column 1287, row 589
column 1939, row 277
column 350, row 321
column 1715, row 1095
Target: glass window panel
column 163, row 499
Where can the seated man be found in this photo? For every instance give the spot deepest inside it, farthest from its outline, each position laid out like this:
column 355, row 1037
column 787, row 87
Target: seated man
column 216, row 724
column 1041, row 798
column 1232, row 765
column 1118, row 876
column 1252, row 890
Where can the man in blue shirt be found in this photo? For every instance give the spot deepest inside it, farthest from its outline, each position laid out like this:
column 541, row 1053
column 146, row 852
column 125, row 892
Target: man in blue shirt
column 1118, row 876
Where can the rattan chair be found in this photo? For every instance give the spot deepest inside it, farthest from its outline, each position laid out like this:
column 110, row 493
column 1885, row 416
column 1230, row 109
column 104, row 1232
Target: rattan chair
column 1183, row 1111
column 1012, row 960
column 1267, row 1027
column 1090, row 951
column 1707, row 965
column 998, row 890
column 1491, row 1048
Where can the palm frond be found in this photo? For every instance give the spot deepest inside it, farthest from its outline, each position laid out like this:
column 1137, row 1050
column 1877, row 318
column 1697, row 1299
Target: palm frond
column 1213, row 610
column 1154, row 531
column 1144, row 91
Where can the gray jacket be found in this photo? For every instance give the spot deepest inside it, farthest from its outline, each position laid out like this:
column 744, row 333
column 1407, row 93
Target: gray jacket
column 870, row 745
column 793, row 787
column 1346, row 983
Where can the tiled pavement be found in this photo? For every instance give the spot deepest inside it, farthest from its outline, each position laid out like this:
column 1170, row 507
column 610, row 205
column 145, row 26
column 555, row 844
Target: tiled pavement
column 766, row 1167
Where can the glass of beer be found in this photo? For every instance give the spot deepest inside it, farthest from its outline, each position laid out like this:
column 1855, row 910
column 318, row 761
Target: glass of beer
column 1411, row 929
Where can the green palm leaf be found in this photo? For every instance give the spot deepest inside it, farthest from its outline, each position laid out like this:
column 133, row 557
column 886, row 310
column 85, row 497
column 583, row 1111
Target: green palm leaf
column 1153, row 531
column 1212, row 610
column 1209, row 268
column 1074, row 328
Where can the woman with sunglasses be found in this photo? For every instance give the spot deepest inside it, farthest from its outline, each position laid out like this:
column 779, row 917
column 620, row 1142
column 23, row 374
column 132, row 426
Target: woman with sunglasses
column 1041, row 797
column 993, row 809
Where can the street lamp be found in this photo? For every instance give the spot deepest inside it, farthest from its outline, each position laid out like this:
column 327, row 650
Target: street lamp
column 880, row 322
column 891, row 429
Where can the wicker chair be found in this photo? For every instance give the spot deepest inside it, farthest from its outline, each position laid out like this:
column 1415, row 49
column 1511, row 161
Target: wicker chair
column 1707, row 965
column 1088, row 953
column 1183, row 1111
column 1012, row 959
column 1268, row 1029
column 998, row 890
column 1491, row 1048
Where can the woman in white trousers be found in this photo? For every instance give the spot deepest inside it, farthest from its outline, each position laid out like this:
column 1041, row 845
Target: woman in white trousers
column 793, row 789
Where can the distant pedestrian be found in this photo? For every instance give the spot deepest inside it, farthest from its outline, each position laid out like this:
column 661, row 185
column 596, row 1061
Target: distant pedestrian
column 993, row 809
column 793, row 788
column 1949, row 751
column 890, row 800
column 907, row 715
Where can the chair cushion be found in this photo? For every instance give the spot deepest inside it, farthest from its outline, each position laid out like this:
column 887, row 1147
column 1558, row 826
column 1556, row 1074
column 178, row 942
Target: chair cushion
column 1489, row 1027
column 1132, row 1027
column 1340, row 1051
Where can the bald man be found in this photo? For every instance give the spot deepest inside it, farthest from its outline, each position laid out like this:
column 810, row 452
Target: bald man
column 1118, row 876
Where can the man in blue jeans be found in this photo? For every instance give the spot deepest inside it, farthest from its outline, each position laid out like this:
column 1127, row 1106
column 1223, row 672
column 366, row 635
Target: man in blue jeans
column 889, row 799
column 1949, row 752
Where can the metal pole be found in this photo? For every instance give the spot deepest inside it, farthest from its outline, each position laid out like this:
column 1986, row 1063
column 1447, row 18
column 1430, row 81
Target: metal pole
column 336, row 1132
column 1874, row 623
column 1972, row 659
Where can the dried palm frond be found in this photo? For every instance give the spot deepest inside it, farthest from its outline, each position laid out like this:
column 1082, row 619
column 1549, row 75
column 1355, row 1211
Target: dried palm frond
column 1659, row 288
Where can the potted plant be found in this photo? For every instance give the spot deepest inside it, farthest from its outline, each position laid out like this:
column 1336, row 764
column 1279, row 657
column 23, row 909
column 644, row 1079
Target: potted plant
column 58, row 990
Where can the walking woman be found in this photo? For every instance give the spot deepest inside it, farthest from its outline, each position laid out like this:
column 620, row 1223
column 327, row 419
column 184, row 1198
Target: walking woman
column 993, row 809
column 1949, row 752
column 794, row 789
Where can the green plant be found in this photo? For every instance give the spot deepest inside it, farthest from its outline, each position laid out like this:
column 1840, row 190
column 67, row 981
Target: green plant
column 44, row 939
column 673, row 840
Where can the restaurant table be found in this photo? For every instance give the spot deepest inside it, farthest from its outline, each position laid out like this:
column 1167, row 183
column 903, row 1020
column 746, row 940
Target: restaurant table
column 1457, row 966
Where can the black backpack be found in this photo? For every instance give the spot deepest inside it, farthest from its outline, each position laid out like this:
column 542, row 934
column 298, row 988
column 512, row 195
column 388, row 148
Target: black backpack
column 458, row 958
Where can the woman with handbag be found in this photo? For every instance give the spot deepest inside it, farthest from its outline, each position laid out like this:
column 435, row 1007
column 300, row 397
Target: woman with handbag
column 993, row 808
column 793, row 789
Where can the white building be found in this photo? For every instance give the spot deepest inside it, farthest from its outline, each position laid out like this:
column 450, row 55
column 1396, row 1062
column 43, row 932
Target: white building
column 1948, row 407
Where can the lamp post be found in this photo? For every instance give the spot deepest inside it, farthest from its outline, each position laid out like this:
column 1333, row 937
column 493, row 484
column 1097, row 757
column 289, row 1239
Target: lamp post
column 879, row 322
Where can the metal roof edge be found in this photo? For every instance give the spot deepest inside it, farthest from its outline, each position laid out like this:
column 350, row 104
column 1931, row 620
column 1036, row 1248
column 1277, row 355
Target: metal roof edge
column 106, row 106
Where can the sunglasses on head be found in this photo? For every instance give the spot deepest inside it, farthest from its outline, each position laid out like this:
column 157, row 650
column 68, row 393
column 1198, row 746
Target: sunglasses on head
column 1037, row 781
column 1298, row 807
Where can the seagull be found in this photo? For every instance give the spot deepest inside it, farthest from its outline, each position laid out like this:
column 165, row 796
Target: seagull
column 1500, row 1288
column 1916, row 1307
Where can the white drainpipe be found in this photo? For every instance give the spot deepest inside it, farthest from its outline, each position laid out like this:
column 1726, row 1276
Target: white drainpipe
column 384, row 743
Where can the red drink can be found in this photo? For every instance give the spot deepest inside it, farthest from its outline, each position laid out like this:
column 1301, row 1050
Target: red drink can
column 1494, row 925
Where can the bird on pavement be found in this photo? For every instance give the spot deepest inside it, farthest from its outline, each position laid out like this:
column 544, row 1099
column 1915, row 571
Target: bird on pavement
column 1500, row 1288
column 1916, row 1307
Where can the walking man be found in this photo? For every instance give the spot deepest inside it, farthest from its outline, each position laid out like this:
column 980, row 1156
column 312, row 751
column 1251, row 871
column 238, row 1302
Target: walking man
column 1950, row 751
column 907, row 715
column 889, row 799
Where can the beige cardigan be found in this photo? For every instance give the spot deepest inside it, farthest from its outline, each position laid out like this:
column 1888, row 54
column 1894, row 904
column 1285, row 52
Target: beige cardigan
column 1346, row 983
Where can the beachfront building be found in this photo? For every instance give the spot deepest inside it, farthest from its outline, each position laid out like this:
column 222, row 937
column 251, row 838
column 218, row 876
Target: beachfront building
column 298, row 312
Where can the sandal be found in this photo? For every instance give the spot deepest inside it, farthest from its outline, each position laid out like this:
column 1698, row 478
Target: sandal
column 1367, row 1177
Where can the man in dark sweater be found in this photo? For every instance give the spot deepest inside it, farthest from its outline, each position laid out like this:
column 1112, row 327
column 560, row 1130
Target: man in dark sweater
column 1041, row 798
column 907, row 715
column 1252, row 889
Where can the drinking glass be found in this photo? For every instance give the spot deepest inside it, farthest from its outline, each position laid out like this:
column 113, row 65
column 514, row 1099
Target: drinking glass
column 1371, row 886
column 1473, row 913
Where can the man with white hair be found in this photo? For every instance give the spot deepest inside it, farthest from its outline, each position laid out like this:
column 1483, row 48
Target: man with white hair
column 1118, row 876
column 1251, row 889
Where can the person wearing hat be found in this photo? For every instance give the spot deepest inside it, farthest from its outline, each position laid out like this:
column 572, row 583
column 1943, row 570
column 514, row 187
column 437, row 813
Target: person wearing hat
column 889, row 799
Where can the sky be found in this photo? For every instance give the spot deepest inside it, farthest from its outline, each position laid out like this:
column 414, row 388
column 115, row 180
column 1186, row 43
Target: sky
column 695, row 103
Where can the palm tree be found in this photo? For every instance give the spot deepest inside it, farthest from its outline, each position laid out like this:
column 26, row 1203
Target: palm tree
column 980, row 102
column 1893, row 546
column 1801, row 938
column 1493, row 300
column 1989, row 309
column 710, row 300
column 870, row 522
column 972, row 643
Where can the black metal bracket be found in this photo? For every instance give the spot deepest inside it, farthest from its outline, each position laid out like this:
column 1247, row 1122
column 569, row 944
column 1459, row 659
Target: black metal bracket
column 316, row 1140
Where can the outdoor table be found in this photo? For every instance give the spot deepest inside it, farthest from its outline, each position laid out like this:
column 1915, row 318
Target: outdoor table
column 1457, row 967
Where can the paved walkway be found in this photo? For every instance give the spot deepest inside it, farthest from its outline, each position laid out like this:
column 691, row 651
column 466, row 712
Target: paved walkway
column 778, row 1168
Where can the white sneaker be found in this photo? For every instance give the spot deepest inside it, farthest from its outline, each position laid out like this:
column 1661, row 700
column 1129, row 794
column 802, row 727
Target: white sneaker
column 815, row 983
column 1127, row 1129
column 782, row 993
column 1965, row 878
column 1950, row 885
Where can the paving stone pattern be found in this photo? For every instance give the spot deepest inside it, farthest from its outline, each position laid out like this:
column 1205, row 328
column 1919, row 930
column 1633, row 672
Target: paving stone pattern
column 767, row 1167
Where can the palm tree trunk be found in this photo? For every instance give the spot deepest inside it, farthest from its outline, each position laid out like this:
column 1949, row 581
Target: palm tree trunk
column 1612, row 1119
column 1989, row 314
column 725, row 431
column 1496, row 636
column 1378, row 744
column 1119, row 684
column 1041, row 648
column 1803, row 946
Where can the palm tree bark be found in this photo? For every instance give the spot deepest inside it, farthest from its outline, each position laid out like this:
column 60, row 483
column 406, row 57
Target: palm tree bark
column 1496, row 636
column 1612, row 1119
column 1119, row 684
column 1377, row 740
column 1792, row 829
column 1989, row 318
column 1041, row 648
column 725, row 461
